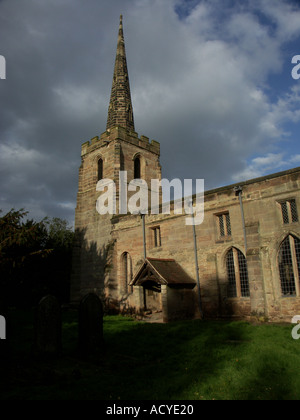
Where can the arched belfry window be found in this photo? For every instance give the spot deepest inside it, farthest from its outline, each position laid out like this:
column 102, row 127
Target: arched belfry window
column 237, row 274
column 289, row 266
column 100, row 169
column 137, row 168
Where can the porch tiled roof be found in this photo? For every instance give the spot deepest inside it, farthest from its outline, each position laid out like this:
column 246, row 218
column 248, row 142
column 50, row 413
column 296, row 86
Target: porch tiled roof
column 162, row 271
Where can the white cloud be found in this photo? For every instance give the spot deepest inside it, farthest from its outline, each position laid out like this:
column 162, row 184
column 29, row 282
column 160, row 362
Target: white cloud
column 260, row 166
column 210, row 93
column 295, row 160
column 284, row 14
column 263, row 165
column 288, row 106
column 199, row 86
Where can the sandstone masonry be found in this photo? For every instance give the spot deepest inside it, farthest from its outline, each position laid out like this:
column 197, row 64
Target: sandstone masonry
column 247, row 267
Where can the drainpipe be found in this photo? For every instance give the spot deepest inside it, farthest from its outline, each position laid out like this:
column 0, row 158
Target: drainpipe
column 196, row 260
column 144, row 236
column 145, row 256
column 238, row 192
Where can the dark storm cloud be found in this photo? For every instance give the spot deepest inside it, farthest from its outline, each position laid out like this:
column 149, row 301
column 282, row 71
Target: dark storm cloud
column 197, row 87
column 54, row 97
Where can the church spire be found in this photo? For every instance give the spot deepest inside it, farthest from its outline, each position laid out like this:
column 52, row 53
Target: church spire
column 120, row 112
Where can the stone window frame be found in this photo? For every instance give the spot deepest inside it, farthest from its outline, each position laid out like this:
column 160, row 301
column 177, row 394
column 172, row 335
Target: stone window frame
column 241, row 285
column 288, row 214
column 143, row 165
column 155, row 240
column 291, row 254
column 137, row 168
column 100, row 168
column 223, row 221
column 97, row 158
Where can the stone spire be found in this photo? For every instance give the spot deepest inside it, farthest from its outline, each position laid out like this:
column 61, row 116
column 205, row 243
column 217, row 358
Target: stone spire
column 120, row 112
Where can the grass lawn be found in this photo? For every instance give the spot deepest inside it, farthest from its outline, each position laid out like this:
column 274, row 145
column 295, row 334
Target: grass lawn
column 190, row 360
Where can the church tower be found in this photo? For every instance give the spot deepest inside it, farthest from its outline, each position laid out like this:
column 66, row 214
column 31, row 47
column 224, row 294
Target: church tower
column 119, row 148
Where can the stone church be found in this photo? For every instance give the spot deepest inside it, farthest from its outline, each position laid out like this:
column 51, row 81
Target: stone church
column 243, row 261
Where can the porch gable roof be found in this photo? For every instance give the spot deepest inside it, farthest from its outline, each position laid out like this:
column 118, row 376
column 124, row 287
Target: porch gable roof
column 163, row 272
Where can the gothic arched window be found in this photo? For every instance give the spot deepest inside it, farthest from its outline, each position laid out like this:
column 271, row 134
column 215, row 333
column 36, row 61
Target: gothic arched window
column 237, row 274
column 137, row 168
column 100, row 169
column 289, row 266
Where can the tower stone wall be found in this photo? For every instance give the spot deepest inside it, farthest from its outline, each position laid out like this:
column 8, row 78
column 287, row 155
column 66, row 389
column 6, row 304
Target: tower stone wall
column 117, row 148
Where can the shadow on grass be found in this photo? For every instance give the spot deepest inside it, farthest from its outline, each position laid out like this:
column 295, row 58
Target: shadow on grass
column 270, row 381
column 183, row 360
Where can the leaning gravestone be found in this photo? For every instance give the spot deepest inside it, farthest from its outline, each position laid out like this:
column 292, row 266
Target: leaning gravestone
column 90, row 325
column 48, row 327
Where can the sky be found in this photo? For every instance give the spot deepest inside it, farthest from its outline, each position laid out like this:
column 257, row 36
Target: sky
column 211, row 80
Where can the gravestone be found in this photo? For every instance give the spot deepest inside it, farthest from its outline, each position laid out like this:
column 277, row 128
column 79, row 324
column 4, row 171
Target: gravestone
column 90, row 325
column 2, row 328
column 5, row 333
column 48, row 326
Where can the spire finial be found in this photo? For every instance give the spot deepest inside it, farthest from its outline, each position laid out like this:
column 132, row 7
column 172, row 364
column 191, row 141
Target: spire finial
column 120, row 112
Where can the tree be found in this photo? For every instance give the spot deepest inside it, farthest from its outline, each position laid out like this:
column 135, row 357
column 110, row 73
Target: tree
column 60, row 238
column 35, row 258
